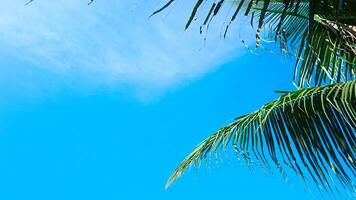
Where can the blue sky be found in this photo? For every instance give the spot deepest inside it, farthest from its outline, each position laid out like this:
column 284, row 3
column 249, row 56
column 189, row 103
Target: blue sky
column 101, row 102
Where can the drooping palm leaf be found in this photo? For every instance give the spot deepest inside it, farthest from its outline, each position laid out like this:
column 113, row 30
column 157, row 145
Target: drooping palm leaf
column 311, row 131
column 321, row 34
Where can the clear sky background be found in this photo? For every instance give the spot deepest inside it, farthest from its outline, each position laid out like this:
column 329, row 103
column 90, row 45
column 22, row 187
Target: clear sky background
column 101, row 102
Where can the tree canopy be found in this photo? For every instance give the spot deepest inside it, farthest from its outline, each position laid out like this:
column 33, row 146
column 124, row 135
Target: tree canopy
column 310, row 130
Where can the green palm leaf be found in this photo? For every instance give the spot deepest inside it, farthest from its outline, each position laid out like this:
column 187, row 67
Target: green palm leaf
column 311, row 131
column 321, row 34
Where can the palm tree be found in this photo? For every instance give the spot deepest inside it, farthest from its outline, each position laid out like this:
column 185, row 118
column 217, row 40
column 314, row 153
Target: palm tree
column 310, row 130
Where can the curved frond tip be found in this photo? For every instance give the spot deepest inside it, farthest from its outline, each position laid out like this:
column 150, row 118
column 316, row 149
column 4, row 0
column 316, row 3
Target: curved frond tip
column 311, row 131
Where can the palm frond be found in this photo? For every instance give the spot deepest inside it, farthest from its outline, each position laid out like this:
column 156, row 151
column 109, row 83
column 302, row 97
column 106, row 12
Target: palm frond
column 321, row 34
column 311, row 131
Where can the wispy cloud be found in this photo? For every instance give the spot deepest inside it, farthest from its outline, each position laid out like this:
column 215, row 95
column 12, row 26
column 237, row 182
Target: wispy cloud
column 110, row 42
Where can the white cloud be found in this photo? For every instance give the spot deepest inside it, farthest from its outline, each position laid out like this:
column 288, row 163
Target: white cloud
column 111, row 42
